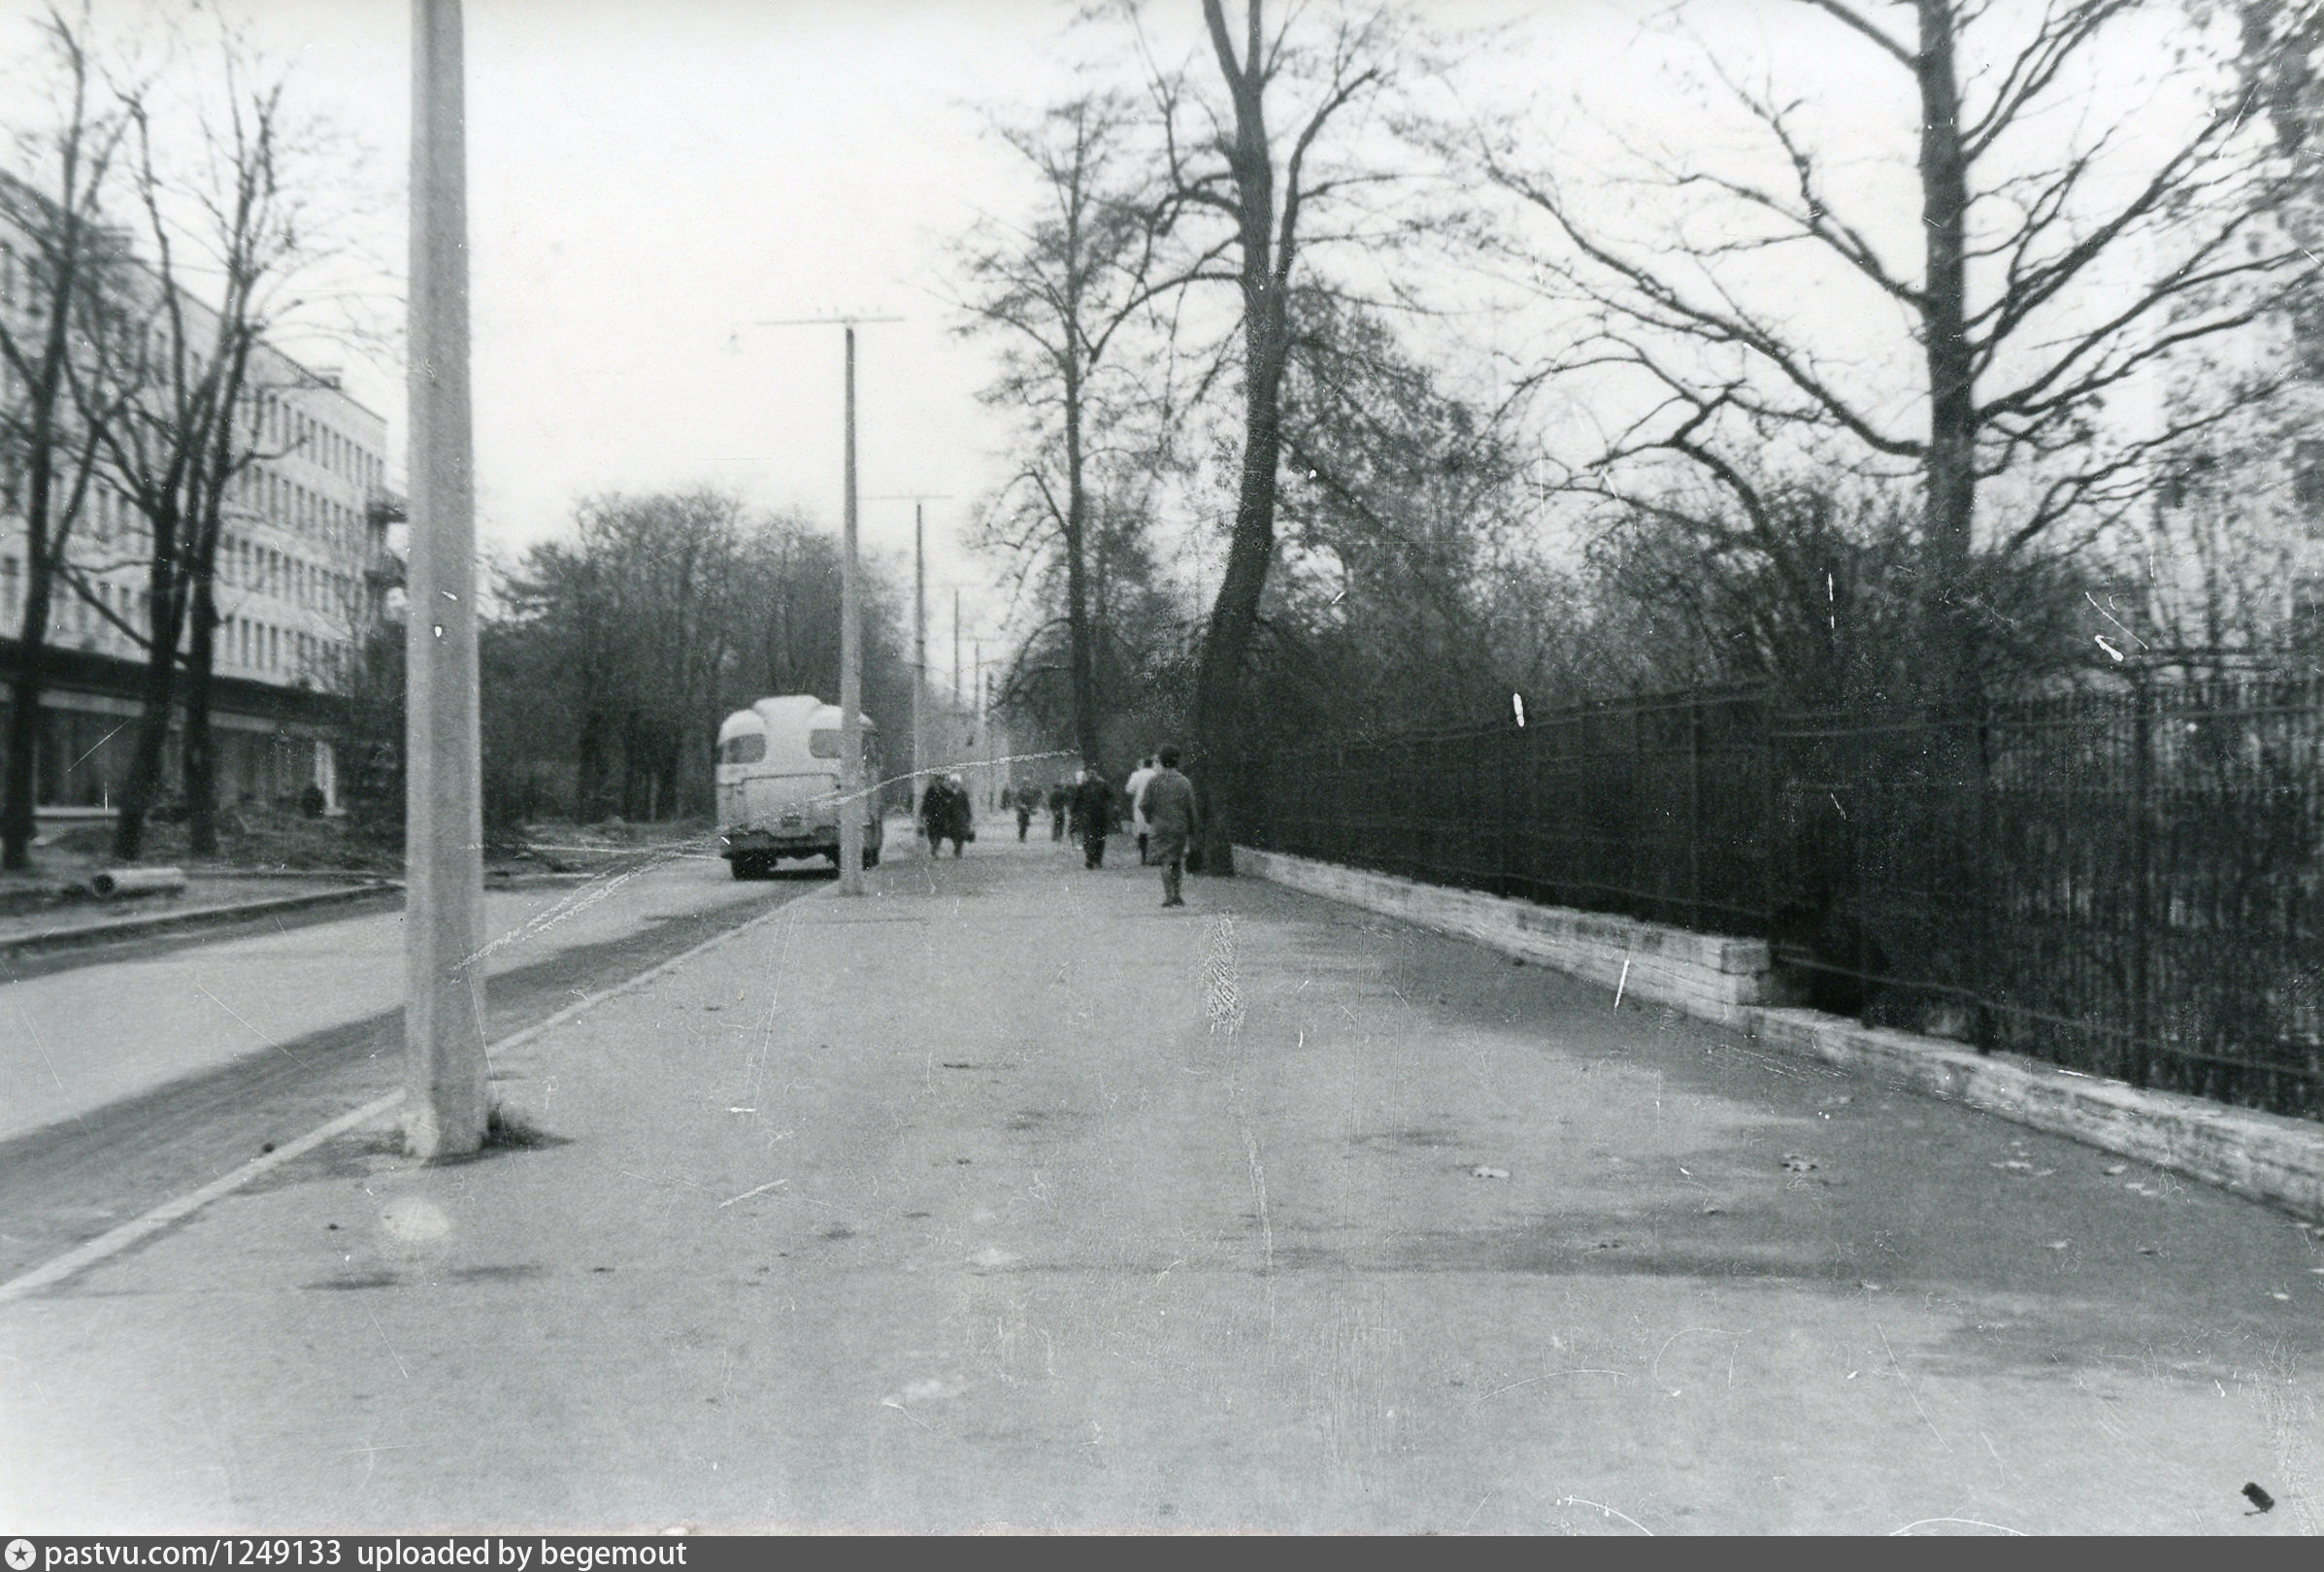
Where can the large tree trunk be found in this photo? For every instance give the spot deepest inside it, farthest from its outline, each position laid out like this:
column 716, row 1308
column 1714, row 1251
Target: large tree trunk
column 1235, row 615
column 1076, row 574
column 1951, row 476
column 156, row 698
column 201, row 755
column 590, row 768
column 44, row 549
column 1266, row 307
column 1959, row 778
column 23, row 776
column 1218, row 741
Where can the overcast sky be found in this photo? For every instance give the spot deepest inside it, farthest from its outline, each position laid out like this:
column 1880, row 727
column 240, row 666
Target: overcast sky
column 649, row 179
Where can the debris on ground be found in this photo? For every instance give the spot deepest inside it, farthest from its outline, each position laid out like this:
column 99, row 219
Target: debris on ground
column 1794, row 1162
column 1482, row 1172
column 2258, row 1497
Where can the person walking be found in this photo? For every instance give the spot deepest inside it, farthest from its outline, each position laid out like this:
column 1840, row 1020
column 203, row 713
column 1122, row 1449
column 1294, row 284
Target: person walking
column 1060, row 798
column 1092, row 814
column 1026, row 799
column 1130, row 789
column 1166, row 807
column 961, row 822
column 936, row 812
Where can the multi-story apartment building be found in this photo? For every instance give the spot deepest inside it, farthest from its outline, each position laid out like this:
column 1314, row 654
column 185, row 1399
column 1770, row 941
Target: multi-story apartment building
column 298, row 587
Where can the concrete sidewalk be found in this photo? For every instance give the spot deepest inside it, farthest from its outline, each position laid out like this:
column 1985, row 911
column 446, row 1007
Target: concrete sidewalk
column 1005, row 1198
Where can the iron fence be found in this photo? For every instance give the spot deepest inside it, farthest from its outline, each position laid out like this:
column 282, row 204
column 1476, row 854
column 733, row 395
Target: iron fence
column 2128, row 883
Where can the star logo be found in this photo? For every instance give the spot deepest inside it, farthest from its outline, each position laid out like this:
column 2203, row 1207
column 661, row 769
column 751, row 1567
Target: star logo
column 20, row 1554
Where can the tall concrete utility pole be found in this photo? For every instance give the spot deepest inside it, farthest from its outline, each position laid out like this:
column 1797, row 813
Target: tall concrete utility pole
column 851, row 782
column 919, row 633
column 445, row 1108
column 919, row 652
column 852, row 786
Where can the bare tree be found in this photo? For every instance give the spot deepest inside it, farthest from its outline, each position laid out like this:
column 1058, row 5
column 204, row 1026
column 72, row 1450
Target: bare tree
column 48, row 291
column 1260, row 161
column 225, row 233
column 660, row 613
column 1404, row 519
column 1063, row 288
column 2016, row 308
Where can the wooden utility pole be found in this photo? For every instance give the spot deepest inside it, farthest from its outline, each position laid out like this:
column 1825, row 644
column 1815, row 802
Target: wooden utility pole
column 444, row 1105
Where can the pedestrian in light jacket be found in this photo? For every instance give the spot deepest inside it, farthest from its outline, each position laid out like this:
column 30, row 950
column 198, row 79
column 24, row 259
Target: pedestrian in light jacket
column 1130, row 789
column 1167, row 808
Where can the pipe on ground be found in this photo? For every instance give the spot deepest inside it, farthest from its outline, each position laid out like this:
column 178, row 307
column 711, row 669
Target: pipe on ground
column 139, row 881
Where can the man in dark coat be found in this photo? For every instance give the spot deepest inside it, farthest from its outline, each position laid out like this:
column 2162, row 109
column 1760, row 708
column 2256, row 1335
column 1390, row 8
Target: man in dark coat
column 935, row 814
column 1025, row 799
column 947, row 814
column 1093, row 816
column 1060, row 798
column 1167, row 807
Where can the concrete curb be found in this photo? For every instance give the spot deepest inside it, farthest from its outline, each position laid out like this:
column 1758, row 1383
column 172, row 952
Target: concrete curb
column 2265, row 1157
column 140, row 927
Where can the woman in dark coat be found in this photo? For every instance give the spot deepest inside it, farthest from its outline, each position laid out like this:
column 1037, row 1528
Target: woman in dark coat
column 960, row 814
column 1093, row 816
column 944, row 815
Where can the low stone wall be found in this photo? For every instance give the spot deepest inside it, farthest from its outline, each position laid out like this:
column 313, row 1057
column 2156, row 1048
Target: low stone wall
column 1697, row 972
column 2265, row 1157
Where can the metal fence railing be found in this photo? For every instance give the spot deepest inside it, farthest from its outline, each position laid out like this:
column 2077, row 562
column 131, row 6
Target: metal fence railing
column 2125, row 882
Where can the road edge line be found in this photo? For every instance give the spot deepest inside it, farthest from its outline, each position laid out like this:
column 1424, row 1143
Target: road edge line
column 517, row 1039
column 116, row 1240
column 176, row 1210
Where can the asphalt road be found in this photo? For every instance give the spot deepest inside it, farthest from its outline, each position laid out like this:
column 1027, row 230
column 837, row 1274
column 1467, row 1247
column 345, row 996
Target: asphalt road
column 135, row 1072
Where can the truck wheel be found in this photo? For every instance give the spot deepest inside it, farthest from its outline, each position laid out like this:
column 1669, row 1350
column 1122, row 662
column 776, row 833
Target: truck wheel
column 871, row 856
